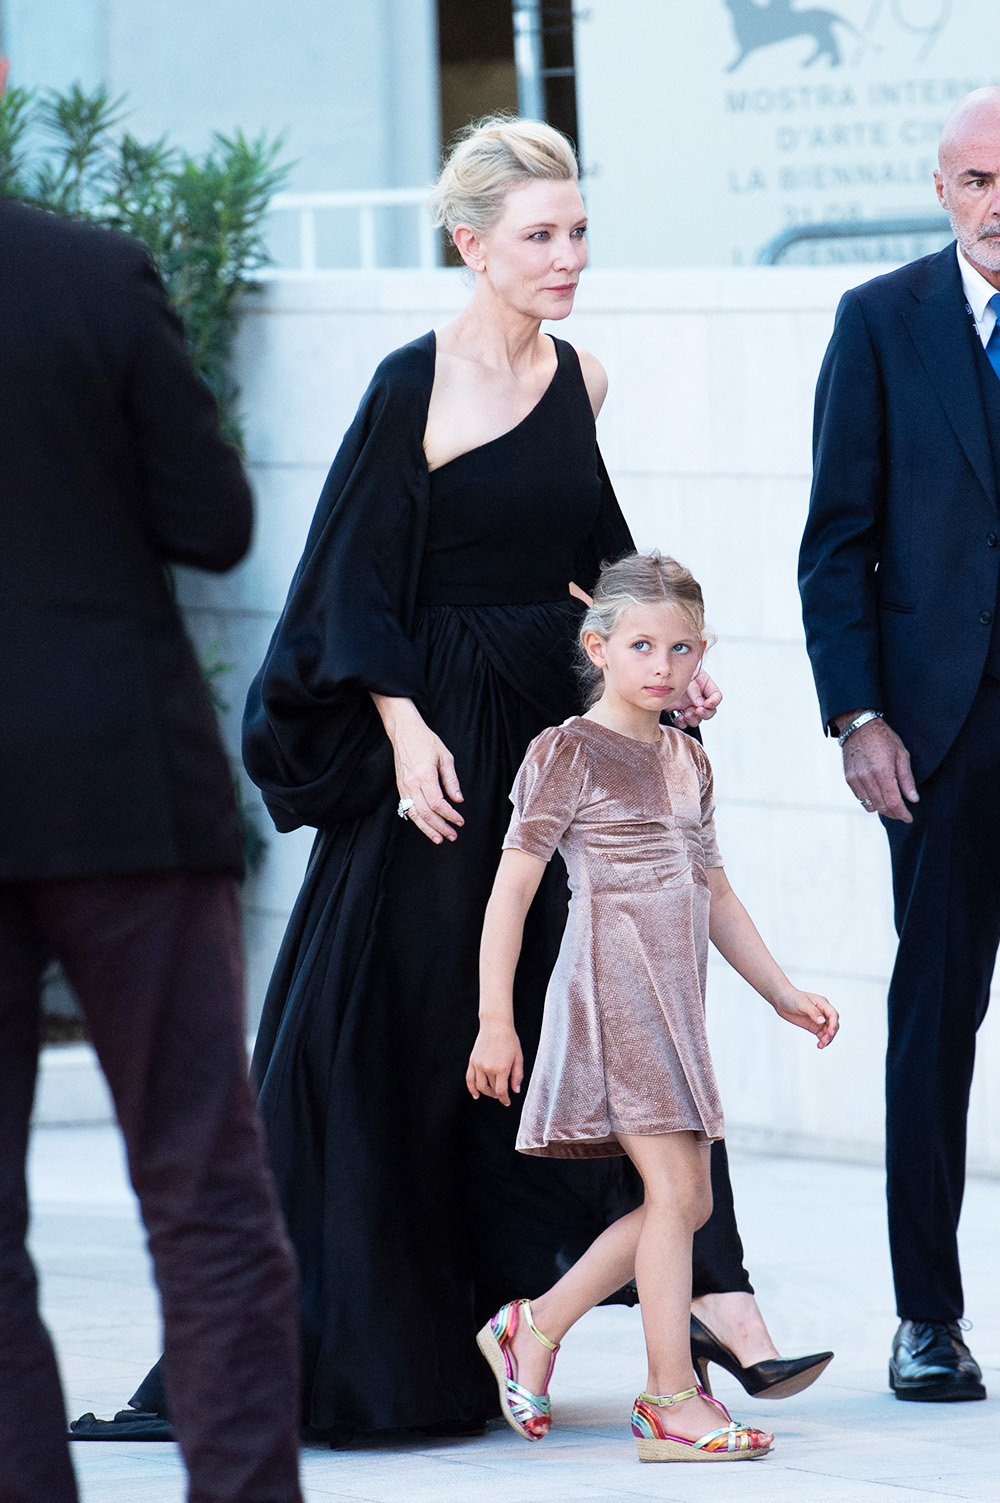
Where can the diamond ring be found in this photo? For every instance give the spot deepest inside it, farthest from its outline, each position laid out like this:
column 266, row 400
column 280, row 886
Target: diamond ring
column 404, row 806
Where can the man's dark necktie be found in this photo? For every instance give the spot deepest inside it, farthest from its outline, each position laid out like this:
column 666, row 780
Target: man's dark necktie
column 993, row 343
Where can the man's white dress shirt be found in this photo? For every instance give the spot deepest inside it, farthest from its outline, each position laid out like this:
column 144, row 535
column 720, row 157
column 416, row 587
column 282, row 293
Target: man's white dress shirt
column 977, row 294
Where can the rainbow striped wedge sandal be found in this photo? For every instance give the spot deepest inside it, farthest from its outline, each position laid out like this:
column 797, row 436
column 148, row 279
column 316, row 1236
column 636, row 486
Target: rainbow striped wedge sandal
column 654, row 1442
column 530, row 1414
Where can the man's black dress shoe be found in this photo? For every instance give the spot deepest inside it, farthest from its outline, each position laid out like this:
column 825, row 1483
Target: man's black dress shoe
column 931, row 1364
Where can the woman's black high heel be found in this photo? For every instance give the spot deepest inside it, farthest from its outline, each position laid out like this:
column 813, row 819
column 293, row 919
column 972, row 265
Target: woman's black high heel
column 777, row 1379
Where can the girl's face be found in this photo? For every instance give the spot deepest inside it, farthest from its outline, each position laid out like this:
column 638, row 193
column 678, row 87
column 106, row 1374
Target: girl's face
column 650, row 658
column 533, row 256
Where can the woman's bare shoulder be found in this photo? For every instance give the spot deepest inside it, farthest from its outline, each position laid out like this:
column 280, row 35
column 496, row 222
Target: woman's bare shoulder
column 595, row 378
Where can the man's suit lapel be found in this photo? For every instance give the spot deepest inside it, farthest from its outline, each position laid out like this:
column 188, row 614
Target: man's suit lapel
column 937, row 321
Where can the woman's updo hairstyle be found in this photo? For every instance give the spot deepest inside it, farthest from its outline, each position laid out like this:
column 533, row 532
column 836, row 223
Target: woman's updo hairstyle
column 637, row 579
column 489, row 158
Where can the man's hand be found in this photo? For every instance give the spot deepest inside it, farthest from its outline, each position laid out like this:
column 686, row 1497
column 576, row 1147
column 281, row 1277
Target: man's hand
column 877, row 769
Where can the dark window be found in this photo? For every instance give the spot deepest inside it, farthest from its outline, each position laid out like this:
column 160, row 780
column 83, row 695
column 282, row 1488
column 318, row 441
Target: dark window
column 476, row 48
column 559, row 68
column 478, row 73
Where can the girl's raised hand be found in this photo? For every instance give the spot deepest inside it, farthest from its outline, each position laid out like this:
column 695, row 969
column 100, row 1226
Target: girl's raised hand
column 811, row 1012
column 700, row 702
column 496, row 1058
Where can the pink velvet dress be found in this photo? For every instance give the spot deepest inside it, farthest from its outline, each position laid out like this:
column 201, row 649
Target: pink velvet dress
column 623, row 1047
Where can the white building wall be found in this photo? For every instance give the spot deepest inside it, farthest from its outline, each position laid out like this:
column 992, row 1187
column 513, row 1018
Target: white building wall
column 707, row 435
column 709, row 128
column 352, row 88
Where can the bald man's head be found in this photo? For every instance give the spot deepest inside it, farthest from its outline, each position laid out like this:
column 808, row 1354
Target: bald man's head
column 968, row 178
column 973, row 121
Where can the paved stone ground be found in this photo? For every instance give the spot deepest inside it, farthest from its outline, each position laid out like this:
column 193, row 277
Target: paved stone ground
column 816, row 1243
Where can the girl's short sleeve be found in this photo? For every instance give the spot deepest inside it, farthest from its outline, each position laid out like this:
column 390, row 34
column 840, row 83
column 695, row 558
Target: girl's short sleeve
column 709, row 843
column 547, row 793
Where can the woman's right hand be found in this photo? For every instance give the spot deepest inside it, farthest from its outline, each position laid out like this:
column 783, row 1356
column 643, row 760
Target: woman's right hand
column 496, row 1058
column 425, row 769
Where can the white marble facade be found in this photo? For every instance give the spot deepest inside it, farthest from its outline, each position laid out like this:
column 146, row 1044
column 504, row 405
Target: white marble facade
column 707, row 435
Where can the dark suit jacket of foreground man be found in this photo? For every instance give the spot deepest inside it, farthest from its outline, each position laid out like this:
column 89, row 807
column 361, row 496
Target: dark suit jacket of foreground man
column 899, row 575
column 120, row 847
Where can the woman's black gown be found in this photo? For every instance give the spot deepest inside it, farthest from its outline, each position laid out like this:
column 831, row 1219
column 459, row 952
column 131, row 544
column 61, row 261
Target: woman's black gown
column 411, row 1214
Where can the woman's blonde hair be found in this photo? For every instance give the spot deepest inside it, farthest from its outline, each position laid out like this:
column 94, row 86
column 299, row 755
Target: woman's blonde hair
column 637, row 579
column 489, row 158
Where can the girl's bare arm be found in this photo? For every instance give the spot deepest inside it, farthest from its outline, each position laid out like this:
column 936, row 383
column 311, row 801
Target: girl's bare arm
column 734, row 935
column 496, row 1055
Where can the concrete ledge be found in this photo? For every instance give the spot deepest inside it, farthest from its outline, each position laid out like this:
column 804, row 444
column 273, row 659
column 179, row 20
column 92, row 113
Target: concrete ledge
column 767, row 1142
column 675, row 289
column 744, row 1137
column 71, row 1091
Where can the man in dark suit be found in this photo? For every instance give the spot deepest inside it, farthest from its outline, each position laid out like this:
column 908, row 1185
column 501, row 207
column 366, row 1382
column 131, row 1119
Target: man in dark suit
column 120, row 849
column 899, row 575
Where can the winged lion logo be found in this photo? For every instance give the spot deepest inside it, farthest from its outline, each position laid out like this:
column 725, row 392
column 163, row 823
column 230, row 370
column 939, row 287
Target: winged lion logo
column 759, row 26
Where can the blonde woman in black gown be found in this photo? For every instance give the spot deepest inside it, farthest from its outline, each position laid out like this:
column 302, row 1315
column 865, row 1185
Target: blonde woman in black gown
column 427, row 639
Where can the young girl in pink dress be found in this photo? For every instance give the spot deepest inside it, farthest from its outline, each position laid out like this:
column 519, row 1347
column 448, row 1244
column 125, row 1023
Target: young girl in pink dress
column 623, row 1065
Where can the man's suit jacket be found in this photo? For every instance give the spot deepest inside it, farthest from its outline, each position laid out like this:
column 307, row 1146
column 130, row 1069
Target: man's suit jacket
column 899, row 563
column 111, row 466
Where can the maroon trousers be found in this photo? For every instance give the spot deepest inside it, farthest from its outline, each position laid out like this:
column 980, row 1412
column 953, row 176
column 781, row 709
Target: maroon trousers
column 156, row 963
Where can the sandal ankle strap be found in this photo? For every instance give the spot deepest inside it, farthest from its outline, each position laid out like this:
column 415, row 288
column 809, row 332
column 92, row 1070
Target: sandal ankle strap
column 667, row 1400
column 550, row 1346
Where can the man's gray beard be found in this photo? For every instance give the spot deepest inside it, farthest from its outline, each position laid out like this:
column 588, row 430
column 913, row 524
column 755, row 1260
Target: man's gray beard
column 982, row 251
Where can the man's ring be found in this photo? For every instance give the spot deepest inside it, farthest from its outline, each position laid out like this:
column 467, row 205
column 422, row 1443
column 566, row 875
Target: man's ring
column 404, row 806
column 866, row 802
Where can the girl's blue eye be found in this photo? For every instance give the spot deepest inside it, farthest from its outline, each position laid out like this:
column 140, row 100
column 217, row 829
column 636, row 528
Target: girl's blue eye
column 681, row 647
column 641, row 644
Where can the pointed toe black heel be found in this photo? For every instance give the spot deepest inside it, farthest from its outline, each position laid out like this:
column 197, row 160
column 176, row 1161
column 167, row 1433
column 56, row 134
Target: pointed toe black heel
column 778, row 1378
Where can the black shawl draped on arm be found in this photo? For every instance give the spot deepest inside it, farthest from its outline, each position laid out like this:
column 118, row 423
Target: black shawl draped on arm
column 312, row 739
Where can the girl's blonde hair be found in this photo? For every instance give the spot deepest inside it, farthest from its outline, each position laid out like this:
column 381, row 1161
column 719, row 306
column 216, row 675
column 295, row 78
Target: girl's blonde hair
column 637, row 579
column 490, row 157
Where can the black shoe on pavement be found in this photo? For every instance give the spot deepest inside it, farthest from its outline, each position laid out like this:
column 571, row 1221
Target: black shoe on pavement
column 128, row 1424
column 931, row 1364
column 777, row 1378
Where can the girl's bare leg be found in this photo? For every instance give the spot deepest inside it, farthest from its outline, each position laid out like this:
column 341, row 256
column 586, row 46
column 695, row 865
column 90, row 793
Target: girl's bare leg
column 653, row 1244
column 678, row 1199
column 608, row 1263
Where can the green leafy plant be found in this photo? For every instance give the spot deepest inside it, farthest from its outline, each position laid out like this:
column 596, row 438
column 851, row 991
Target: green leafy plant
column 199, row 217
column 15, row 119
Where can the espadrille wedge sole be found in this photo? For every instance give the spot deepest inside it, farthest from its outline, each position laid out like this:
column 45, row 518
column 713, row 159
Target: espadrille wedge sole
column 653, row 1442
column 675, row 1449
column 530, row 1414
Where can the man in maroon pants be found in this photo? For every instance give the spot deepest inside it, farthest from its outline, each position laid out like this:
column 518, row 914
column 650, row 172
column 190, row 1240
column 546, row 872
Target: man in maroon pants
column 120, row 850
